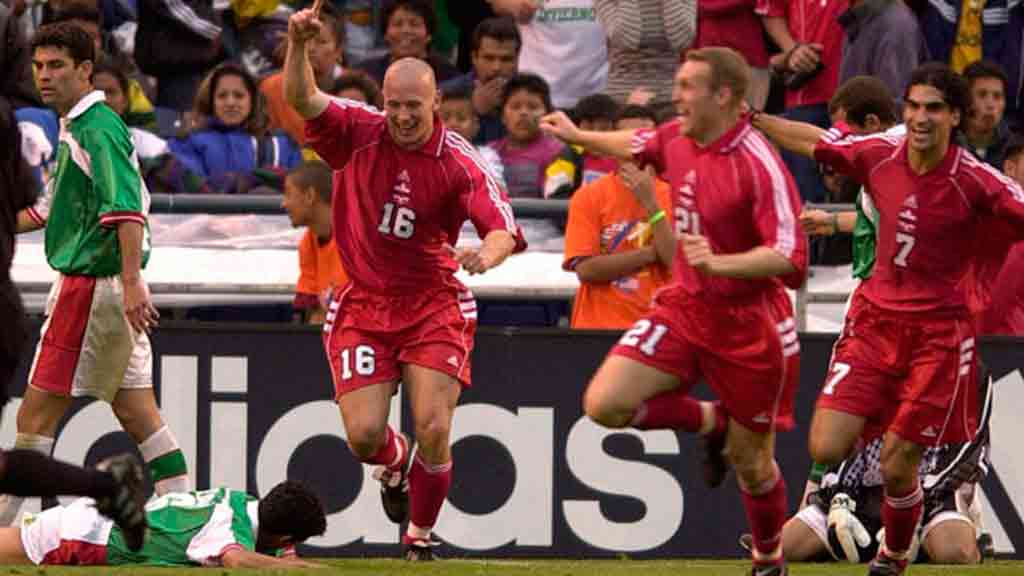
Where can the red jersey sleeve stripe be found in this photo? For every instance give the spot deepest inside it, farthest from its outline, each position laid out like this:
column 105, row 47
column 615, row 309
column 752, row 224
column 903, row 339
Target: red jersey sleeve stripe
column 344, row 103
column 1012, row 187
column 640, row 140
column 36, row 217
column 460, row 147
column 113, row 218
column 785, row 230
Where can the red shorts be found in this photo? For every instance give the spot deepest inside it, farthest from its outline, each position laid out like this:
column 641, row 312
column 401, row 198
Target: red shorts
column 909, row 373
column 736, row 347
column 367, row 336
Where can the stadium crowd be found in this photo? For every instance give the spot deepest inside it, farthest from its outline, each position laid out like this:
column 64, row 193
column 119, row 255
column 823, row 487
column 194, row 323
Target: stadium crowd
column 584, row 100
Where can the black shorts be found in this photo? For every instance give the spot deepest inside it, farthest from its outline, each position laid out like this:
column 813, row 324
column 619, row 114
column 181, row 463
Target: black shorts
column 12, row 337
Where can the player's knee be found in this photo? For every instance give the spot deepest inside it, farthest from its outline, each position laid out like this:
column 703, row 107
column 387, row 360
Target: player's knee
column 754, row 468
column 956, row 552
column 899, row 466
column 365, row 440
column 824, row 450
column 601, row 410
column 432, row 431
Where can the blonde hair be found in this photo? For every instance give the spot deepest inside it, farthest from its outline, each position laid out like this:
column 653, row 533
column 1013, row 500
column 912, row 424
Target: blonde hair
column 728, row 68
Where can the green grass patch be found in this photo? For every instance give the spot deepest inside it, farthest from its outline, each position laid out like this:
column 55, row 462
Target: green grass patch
column 514, row 567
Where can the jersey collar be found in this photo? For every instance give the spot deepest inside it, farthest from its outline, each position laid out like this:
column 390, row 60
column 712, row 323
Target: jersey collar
column 948, row 166
column 731, row 139
column 85, row 103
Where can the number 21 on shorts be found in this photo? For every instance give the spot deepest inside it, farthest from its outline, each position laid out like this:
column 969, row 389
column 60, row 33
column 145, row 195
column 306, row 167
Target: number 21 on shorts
column 644, row 335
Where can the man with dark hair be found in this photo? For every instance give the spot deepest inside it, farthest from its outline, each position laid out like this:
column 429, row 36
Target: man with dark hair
column 307, row 200
column 24, row 473
column 94, row 342
column 983, row 132
column 217, row 527
column 734, row 242
column 915, row 334
column 495, row 55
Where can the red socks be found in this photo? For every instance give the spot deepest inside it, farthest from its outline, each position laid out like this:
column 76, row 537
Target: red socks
column 676, row 410
column 393, row 453
column 900, row 515
column 766, row 513
column 428, row 489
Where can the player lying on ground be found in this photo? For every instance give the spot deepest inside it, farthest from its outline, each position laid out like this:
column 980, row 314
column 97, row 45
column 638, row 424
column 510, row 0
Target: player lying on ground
column 219, row 527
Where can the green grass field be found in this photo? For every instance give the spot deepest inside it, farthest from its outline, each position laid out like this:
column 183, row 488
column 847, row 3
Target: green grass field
column 552, row 567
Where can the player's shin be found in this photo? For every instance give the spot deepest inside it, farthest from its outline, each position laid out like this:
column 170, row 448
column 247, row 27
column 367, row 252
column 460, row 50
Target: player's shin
column 9, row 504
column 393, row 454
column 901, row 512
column 428, row 489
column 166, row 462
column 766, row 511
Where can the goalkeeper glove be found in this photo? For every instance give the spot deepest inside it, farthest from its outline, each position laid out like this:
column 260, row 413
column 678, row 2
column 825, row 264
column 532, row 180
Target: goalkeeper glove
column 846, row 530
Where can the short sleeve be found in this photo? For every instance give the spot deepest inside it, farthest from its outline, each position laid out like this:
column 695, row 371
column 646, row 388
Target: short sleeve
column 776, row 212
column 770, row 8
column 583, row 230
column 115, row 177
column 1001, row 195
column 229, row 527
column 843, row 151
column 486, row 202
column 340, row 129
column 648, row 146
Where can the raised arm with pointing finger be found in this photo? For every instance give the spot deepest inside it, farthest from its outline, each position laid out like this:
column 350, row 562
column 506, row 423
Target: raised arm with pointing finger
column 617, row 144
column 300, row 89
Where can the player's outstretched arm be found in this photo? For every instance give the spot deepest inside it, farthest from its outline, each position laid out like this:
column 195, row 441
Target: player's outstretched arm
column 618, row 144
column 300, row 89
column 496, row 247
column 797, row 137
column 242, row 558
column 760, row 262
column 822, row 223
column 26, row 223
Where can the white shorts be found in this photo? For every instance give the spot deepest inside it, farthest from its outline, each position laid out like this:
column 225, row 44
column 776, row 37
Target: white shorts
column 75, row 534
column 817, row 520
column 87, row 347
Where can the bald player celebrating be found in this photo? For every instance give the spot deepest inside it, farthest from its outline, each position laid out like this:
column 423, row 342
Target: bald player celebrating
column 403, row 187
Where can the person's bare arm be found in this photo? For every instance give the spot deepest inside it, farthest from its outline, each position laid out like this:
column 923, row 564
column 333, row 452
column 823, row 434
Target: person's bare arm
column 759, row 262
column 797, row 137
column 604, row 268
column 496, row 247
column 26, row 223
column 822, row 223
column 641, row 182
column 242, row 558
column 300, row 88
column 141, row 313
column 618, row 144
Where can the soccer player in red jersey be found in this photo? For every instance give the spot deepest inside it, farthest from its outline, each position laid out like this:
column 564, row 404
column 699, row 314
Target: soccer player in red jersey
column 723, row 317
column 403, row 186
column 909, row 334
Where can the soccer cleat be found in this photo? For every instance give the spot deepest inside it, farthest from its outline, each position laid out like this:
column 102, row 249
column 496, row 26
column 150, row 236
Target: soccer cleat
column 418, row 550
column 394, row 486
column 770, row 570
column 747, row 542
column 713, row 461
column 986, row 547
column 883, row 565
column 127, row 505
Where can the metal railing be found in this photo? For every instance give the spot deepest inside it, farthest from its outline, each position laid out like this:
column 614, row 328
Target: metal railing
column 522, row 207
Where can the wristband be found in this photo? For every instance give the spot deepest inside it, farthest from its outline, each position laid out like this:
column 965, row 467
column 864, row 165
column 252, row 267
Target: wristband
column 657, row 217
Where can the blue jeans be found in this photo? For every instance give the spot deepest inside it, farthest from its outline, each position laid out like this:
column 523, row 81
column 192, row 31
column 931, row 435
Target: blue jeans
column 805, row 170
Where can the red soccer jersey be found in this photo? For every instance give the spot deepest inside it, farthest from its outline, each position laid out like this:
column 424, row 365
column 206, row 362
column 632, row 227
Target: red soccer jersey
column 395, row 209
column 737, row 193
column 929, row 224
column 994, row 285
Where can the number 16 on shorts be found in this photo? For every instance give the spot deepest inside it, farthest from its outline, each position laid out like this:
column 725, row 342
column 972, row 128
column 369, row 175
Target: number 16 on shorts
column 361, row 359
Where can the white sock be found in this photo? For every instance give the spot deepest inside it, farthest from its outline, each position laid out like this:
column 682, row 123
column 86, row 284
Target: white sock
column 161, row 446
column 11, row 505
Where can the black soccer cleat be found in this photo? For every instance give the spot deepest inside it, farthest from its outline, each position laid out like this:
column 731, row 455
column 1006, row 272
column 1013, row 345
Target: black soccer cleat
column 770, row 570
column 713, row 462
column 419, row 551
column 394, row 487
column 882, row 565
column 127, row 505
column 747, row 542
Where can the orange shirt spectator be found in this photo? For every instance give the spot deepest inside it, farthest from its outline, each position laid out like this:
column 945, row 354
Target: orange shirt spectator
column 605, row 219
column 319, row 271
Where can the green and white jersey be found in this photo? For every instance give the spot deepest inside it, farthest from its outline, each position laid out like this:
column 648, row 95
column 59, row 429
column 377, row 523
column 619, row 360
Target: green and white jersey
column 865, row 236
column 95, row 186
column 190, row 528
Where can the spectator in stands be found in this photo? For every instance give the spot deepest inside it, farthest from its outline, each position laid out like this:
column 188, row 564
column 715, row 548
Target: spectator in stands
column 608, row 241
column 984, row 133
column 810, row 37
column 964, row 31
column 177, row 42
column 307, row 199
column 576, row 166
column 114, row 83
column 495, row 55
column 883, row 39
column 526, row 152
column 645, row 39
column 408, row 26
column 357, row 85
column 229, row 140
column 734, row 24
column 459, row 115
column 139, row 109
column 325, row 56
column 563, row 43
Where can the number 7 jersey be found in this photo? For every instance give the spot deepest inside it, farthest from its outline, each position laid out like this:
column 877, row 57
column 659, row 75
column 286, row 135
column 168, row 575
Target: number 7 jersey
column 928, row 223
column 395, row 209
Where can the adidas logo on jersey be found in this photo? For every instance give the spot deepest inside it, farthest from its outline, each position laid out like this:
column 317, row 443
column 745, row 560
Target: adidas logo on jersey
column 762, row 418
column 403, row 176
column 911, row 201
column 930, row 432
column 454, row 361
